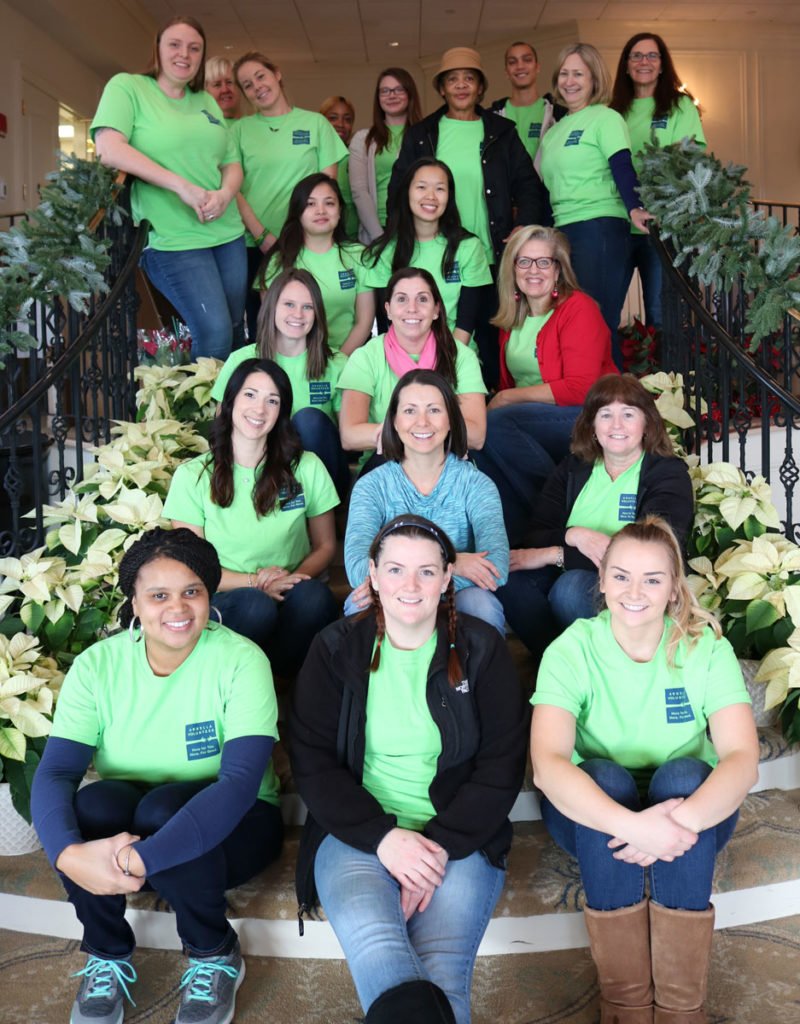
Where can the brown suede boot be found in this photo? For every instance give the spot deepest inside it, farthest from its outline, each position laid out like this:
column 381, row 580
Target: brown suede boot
column 620, row 944
column 680, row 943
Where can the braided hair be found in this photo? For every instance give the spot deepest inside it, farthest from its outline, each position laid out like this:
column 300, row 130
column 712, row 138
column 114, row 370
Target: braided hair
column 182, row 545
column 418, row 528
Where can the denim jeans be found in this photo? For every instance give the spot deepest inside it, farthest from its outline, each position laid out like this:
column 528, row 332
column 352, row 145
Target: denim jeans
column 682, row 884
column 195, row 890
column 644, row 258
column 599, row 252
column 320, row 435
column 362, row 902
column 282, row 629
column 207, row 287
column 483, row 604
column 524, row 443
column 540, row 603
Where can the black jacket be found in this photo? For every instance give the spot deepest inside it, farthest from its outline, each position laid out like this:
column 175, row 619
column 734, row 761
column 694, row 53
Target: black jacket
column 483, row 729
column 664, row 489
column 513, row 191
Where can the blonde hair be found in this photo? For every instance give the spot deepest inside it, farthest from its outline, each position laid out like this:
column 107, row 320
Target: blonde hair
column 689, row 620
column 601, row 79
column 512, row 307
column 217, row 67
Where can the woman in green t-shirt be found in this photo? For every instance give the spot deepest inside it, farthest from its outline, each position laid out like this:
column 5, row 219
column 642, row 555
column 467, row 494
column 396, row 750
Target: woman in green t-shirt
column 644, row 746
column 314, row 238
column 342, row 115
column 267, row 507
column 408, row 739
column 649, row 95
column 178, row 716
column 622, row 466
column 424, row 230
column 374, row 150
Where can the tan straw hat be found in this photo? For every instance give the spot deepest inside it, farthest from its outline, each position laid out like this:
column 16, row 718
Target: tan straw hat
column 456, row 58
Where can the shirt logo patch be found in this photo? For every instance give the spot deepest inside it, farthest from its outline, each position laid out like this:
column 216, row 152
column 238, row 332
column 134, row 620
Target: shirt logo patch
column 678, row 708
column 453, row 276
column 298, row 501
column 574, row 137
column 347, row 279
column 627, row 508
column 535, row 130
column 201, row 740
column 658, row 122
column 319, row 391
column 211, row 118
column 301, row 138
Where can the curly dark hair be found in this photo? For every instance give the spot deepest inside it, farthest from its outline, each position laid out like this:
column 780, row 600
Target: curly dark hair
column 446, row 344
column 668, row 85
column 400, row 223
column 275, row 479
column 182, row 545
column 456, row 442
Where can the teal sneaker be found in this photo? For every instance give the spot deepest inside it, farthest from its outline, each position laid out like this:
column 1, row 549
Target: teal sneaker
column 209, row 988
column 104, row 987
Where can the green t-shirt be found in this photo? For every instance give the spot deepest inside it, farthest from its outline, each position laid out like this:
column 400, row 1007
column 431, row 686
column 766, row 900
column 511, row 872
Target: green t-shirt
column 319, row 394
column 604, row 504
column 245, row 541
column 341, row 276
column 276, row 153
column 350, row 215
column 522, row 358
column 640, row 715
column 367, row 371
column 529, row 122
column 403, row 743
column 187, row 136
column 384, row 164
column 155, row 729
column 470, row 269
column 575, row 155
column 460, row 146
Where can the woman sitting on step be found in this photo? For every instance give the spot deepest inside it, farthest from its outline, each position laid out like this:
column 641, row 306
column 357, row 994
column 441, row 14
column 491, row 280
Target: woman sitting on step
column 633, row 785
column 179, row 716
column 408, row 740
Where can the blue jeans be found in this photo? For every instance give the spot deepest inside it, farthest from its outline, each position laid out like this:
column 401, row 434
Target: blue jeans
column 683, row 884
column 524, row 443
column 644, row 258
column 195, row 889
column 320, row 435
column 483, row 604
column 540, row 603
column 599, row 249
column 362, row 902
column 207, row 287
column 282, row 629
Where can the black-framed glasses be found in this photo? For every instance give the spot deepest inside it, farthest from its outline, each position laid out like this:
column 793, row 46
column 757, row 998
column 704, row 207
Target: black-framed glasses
column 392, row 90
column 638, row 57
column 526, row 262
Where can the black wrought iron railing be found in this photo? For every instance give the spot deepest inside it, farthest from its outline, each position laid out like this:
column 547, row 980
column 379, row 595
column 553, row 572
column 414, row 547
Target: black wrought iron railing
column 66, row 391
column 746, row 405
column 786, row 213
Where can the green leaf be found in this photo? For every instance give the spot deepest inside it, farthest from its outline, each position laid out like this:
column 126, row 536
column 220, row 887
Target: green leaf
column 89, row 621
column 760, row 615
column 56, row 633
column 12, row 625
column 32, row 615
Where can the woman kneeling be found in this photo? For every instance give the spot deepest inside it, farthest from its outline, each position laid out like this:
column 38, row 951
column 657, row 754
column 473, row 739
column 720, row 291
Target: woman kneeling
column 408, row 744
column 632, row 781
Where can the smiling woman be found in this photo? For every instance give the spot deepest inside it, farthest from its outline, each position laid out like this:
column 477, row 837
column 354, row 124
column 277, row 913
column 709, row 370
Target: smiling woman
column 221, row 84
column 170, row 136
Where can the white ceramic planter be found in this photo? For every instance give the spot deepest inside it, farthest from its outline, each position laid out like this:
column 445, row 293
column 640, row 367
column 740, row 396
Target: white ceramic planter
column 16, row 835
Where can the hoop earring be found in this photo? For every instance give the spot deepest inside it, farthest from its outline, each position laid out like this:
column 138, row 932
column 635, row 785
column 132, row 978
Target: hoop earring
column 132, row 627
column 214, row 608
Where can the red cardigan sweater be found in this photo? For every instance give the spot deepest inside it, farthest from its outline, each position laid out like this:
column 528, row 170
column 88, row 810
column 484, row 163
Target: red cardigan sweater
column 574, row 349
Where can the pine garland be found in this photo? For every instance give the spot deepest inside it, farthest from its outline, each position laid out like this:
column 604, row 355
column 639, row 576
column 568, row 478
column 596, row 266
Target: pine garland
column 705, row 209
column 54, row 252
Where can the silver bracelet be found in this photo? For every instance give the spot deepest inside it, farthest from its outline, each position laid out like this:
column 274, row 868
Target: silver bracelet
column 250, row 579
column 127, row 869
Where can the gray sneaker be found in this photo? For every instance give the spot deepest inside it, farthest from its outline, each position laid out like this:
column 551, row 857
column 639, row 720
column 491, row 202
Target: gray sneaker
column 209, row 988
column 104, row 987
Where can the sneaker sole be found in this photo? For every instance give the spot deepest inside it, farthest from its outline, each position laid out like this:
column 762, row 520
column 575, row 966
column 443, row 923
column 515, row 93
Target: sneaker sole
column 88, row 1020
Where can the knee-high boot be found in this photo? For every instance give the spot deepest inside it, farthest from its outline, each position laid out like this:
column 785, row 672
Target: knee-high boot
column 620, row 944
column 680, row 943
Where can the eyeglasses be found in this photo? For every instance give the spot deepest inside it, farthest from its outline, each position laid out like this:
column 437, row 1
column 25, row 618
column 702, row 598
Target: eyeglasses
column 637, row 57
column 395, row 90
column 543, row 263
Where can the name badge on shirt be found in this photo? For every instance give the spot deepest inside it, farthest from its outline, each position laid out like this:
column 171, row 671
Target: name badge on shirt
column 211, row 118
column 301, row 138
column 627, row 508
column 678, row 708
column 298, row 501
column 574, row 137
column 535, row 130
column 453, row 276
column 658, row 122
column 201, row 740
column 319, row 391
column 347, row 279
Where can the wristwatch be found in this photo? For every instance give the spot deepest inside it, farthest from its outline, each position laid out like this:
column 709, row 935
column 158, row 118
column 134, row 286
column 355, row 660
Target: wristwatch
column 559, row 558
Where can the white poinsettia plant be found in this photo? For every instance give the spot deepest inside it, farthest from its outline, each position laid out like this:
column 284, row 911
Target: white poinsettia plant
column 671, row 404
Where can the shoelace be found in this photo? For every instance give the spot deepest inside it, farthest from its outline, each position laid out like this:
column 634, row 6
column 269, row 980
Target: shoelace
column 200, row 976
column 103, row 974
